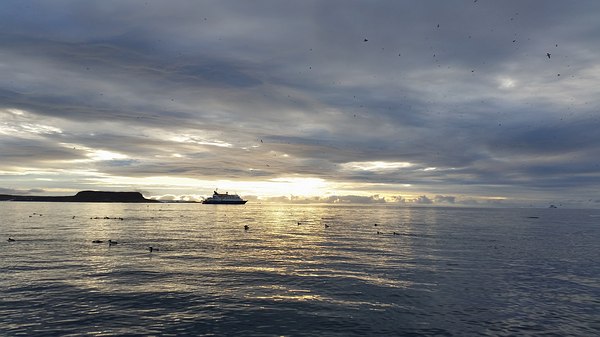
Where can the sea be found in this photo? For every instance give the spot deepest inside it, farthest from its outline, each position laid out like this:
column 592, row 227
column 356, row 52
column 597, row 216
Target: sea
column 297, row 270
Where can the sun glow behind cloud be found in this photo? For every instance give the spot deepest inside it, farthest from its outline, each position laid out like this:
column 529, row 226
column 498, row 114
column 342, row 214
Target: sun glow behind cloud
column 100, row 155
column 507, row 83
column 200, row 141
column 19, row 122
column 273, row 187
column 375, row 165
column 94, row 154
column 298, row 186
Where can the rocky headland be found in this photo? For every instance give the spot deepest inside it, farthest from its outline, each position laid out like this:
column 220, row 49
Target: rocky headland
column 83, row 196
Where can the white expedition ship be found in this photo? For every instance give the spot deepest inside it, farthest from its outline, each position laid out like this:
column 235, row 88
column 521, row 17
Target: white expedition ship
column 228, row 199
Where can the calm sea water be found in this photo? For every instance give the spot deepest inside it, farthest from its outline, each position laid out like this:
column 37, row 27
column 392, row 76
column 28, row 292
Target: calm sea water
column 448, row 271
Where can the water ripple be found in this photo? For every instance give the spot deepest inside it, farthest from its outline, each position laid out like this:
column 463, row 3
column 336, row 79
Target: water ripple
column 445, row 272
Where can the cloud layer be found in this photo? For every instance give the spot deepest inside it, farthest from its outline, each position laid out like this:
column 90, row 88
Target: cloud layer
column 437, row 99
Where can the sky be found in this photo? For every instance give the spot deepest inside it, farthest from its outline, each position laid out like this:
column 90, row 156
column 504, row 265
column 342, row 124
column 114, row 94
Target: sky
column 409, row 102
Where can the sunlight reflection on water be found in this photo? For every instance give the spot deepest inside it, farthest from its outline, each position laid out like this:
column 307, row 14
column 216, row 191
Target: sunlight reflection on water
column 445, row 271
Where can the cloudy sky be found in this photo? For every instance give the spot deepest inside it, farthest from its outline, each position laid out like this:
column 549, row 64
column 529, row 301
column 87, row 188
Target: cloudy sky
column 435, row 102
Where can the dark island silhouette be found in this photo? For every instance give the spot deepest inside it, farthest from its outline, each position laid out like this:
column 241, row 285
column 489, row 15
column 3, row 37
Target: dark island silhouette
column 83, row 196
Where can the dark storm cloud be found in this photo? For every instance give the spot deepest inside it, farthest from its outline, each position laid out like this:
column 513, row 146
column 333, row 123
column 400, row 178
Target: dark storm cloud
column 462, row 91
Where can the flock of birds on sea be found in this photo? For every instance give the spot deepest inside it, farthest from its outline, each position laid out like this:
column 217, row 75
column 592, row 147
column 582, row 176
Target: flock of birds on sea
column 151, row 249
column 109, row 241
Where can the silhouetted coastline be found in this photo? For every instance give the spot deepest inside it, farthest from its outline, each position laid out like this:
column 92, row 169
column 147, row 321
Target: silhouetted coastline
column 83, row 196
